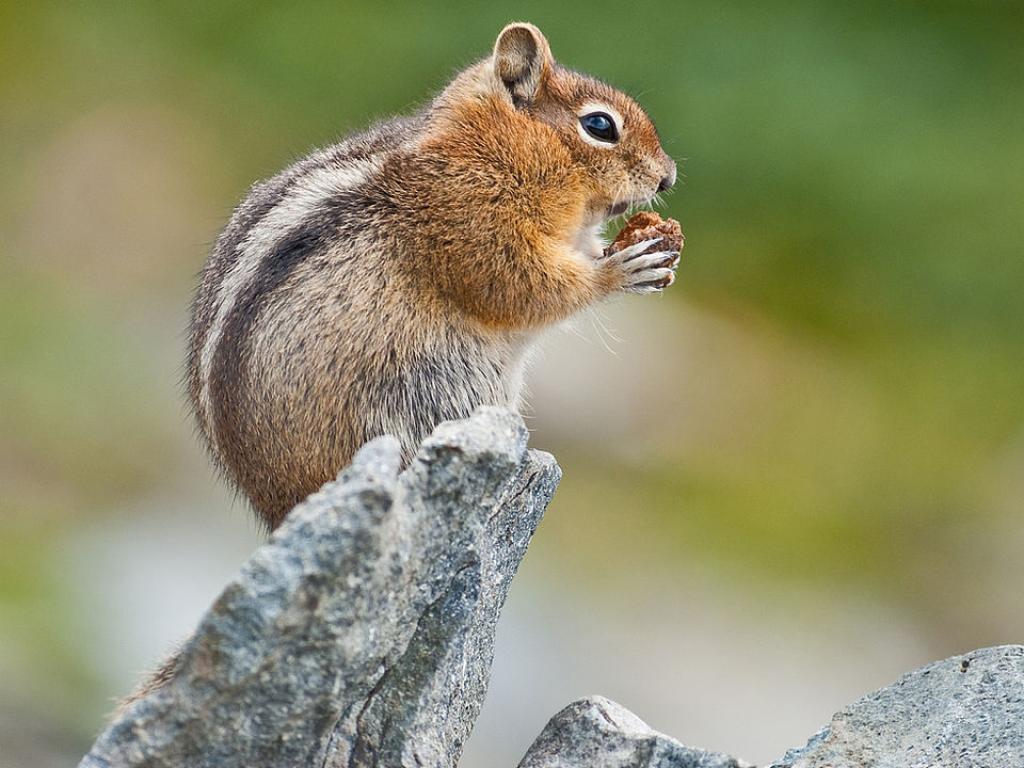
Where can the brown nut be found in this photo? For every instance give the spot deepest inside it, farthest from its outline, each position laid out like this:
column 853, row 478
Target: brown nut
column 648, row 225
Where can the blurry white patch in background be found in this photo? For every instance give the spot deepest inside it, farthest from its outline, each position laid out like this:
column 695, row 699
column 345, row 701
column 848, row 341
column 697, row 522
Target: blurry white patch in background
column 712, row 669
column 142, row 581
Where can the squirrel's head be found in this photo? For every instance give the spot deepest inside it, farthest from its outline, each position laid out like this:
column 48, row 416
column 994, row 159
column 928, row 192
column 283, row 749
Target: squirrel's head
column 540, row 107
column 604, row 129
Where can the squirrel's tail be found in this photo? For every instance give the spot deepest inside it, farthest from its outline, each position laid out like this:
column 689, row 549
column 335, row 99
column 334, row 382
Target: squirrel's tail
column 162, row 675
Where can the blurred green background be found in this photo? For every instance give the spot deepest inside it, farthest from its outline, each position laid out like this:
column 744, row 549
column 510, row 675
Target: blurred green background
column 794, row 476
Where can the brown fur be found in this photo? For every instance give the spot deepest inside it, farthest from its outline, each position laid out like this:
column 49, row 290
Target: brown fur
column 411, row 296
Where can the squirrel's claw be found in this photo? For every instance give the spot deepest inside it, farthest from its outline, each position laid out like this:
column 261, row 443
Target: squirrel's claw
column 632, row 251
column 651, row 280
column 643, row 272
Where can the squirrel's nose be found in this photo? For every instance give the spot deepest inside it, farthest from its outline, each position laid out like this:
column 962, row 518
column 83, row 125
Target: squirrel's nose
column 668, row 179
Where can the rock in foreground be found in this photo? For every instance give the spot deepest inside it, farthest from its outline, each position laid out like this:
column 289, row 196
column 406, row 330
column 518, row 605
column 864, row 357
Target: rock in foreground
column 362, row 633
column 598, row 732
column 964, row 712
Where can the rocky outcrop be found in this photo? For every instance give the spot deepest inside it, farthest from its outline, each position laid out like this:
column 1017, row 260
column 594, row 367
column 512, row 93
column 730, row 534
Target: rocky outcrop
column 598, row 732
column 362, row 634
column 964, row 712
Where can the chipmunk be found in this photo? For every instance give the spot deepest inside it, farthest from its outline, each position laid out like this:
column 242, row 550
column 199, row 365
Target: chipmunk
column 398, row 279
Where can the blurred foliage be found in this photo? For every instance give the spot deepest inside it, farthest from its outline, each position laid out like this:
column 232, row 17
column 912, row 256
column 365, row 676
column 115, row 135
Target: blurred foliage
column 853, row 185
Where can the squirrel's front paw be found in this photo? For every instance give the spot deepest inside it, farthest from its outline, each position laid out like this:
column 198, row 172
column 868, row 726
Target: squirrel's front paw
column 636, row 266
column 638, row 269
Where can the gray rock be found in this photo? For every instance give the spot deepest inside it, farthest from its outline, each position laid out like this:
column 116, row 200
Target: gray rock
column 362, row 633
column 964, row 712
column 598, row 733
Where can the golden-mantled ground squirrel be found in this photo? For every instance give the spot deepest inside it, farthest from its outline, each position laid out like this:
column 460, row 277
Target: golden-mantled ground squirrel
column 397, row 279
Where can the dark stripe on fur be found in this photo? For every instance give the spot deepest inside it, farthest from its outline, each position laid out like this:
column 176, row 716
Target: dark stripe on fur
column 232, row 401
column 262, row 198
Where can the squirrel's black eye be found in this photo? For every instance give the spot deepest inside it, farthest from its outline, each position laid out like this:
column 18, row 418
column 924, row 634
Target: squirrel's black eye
column 601, row 126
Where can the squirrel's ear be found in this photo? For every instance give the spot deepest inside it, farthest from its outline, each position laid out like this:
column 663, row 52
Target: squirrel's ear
column 522, row 60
